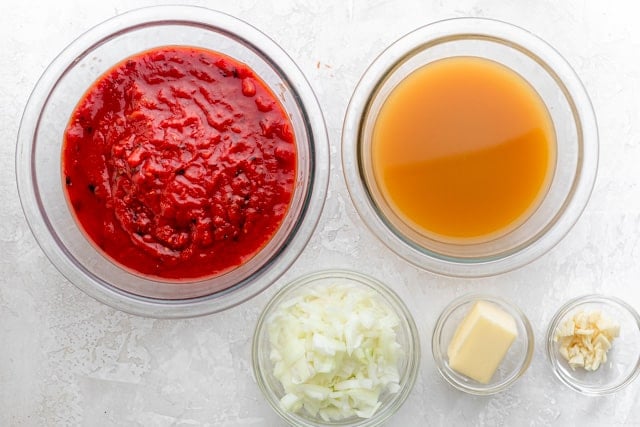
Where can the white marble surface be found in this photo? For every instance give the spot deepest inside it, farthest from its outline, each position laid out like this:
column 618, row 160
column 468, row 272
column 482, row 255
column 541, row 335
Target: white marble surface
column 66, row 359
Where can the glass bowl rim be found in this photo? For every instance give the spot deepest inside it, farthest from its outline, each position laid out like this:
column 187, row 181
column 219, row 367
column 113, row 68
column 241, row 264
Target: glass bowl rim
column 443, row 370
column 385, row 64
column 208, row 20
column 565, row 309
column 389, row 296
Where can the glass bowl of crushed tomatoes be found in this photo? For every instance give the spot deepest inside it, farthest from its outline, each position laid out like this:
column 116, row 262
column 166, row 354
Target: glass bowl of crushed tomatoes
column 172, row 161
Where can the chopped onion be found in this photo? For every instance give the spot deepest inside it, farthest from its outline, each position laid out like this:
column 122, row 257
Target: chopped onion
column 335, row 351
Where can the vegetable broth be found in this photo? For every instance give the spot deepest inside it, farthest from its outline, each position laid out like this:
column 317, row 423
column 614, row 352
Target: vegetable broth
column 463, row 148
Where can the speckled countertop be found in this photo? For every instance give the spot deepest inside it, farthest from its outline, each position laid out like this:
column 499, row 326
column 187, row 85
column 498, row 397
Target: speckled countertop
column 66, row 359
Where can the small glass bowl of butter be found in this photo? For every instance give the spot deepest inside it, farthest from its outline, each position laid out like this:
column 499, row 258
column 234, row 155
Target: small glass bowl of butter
column 482, row 344
column 593, row 344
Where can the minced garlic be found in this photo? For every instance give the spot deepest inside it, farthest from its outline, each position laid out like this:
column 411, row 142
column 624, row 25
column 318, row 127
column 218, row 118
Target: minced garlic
column 585, row 337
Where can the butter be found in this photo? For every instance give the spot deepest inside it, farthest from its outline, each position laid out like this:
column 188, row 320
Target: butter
column 481, row 341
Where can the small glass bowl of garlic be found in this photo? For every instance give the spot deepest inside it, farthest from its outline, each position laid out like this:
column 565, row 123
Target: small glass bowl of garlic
column 593, row 344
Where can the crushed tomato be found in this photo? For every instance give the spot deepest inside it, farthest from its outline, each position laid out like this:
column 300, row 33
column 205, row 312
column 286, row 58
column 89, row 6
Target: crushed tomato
column 179, row 163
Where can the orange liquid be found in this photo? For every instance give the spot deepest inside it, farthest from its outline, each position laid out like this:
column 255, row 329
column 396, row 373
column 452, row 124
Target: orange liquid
column 463, row 148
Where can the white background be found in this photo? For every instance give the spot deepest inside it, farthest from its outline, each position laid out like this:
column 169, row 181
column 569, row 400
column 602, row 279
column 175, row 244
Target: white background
column 66, row 359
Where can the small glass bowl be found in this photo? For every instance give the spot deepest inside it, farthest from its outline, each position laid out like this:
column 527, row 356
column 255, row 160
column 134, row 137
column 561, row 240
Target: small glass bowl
column 573, row 120
column 623, row 359
column 512, row 367
column 407, row 336
column 38, row 158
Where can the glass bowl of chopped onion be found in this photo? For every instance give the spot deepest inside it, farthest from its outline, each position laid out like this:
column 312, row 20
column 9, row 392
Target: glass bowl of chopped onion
column 593, row 344
column 335, row 348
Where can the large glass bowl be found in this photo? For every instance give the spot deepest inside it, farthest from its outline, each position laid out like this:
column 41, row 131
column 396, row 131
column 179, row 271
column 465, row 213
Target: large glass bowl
column 38, row 158
column 576, row 145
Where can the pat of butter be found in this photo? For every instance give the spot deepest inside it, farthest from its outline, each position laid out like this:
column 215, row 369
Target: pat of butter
column 481, row 341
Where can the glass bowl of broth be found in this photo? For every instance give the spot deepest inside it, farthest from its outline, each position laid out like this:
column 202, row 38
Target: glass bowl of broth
column 470, row 147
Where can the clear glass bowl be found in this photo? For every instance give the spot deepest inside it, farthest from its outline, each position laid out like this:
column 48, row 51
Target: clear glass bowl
column 407, row 336
column 623, row 359
column 512, row 367
column 38, row 158
column 576, row 146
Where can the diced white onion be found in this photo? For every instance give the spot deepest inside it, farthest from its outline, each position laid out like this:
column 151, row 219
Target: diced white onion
column 335, row 351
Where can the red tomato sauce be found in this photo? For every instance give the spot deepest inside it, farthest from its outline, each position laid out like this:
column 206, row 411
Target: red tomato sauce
column 179, row 163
